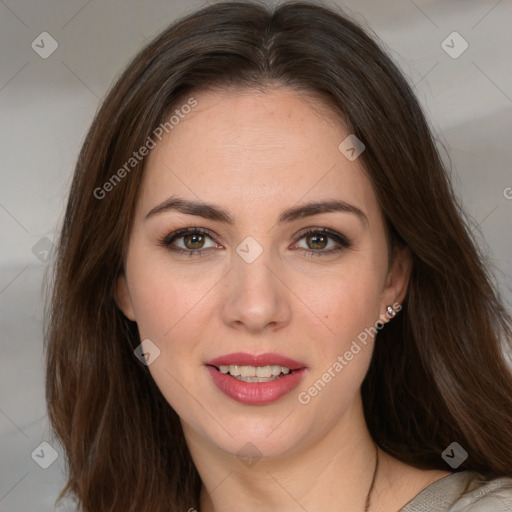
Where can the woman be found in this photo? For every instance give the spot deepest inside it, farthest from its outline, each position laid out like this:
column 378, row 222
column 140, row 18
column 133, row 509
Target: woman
column 266, row 296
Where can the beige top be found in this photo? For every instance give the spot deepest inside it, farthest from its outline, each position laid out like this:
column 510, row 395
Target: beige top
column 465, row 491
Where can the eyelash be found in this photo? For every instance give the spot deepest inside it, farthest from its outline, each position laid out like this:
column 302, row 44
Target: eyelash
column 342, row 241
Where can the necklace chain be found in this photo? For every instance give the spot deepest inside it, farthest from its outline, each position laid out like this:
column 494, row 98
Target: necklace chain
column 367, row 505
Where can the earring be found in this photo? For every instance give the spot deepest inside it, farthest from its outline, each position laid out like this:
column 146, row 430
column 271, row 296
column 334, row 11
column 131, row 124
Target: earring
column 390, row 314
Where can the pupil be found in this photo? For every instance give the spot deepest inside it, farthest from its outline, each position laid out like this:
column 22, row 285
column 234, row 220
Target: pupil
column 318, row 240
column 194, row 241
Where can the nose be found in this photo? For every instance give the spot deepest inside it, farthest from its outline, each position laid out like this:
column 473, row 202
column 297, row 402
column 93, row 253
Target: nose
column 256, row 296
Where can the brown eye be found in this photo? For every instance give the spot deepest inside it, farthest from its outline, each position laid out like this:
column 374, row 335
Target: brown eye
column 190, row 241
column 322, row 241
column 194, row 241
column 316, row 241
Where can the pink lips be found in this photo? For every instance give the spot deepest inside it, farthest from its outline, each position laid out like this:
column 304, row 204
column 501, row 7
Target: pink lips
column 256, row 393
column 243, row 359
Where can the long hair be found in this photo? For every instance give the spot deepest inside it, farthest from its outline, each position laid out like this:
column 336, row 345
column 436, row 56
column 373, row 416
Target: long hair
column 438, row 372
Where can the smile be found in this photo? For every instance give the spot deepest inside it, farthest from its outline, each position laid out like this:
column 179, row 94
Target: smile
column 255, row 380
column 255, row 373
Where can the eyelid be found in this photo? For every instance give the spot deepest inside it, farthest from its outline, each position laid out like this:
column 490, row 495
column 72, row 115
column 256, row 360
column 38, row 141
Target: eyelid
column 340, row 239
column 180, row 233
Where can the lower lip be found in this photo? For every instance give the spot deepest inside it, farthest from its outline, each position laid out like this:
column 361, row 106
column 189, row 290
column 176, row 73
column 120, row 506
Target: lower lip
column 256, row 393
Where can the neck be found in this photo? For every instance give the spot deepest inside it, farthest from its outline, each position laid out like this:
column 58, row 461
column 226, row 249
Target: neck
column 334, row 472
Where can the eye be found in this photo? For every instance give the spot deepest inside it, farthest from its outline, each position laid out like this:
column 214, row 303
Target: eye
column 191, row 241
column 323, row 241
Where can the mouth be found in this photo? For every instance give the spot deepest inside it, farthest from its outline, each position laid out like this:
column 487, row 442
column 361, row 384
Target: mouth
column 266, row 373
column 254, row 379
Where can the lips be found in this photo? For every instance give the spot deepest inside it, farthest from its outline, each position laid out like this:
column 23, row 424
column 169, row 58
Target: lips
column 256, row 392
column 244, row 359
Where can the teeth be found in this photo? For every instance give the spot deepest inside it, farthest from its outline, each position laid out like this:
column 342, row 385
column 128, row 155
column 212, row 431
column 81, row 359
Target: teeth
column 262, row 371
column 256, row 379
column 247, row 372
column 234, row 370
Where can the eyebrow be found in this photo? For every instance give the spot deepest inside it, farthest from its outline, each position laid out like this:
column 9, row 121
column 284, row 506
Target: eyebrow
column 215, row 213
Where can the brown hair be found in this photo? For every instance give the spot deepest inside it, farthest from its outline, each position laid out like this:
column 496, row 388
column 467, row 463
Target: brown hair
column 438, row 373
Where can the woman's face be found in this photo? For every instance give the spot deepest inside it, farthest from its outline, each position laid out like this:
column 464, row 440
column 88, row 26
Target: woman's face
column 249, row 281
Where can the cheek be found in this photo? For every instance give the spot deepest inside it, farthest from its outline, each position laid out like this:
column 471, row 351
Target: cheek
column 172, row 314
column 165, row 298
column 344, row 302
column 172, row 304
column 348, row 306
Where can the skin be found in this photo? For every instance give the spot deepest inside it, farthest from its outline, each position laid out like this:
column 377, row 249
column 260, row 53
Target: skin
column 255, row 154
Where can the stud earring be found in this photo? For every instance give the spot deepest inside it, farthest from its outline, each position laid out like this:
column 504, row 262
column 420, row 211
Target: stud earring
column 391, row 311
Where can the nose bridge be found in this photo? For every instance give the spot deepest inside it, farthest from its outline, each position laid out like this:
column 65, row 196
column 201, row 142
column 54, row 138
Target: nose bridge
column 256, row 297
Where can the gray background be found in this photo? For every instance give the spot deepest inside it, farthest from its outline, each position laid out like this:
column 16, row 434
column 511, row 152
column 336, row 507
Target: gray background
column 47, row 106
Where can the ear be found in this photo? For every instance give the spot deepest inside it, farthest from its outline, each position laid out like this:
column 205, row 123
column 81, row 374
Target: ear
column 123, row 299
column 397, row 280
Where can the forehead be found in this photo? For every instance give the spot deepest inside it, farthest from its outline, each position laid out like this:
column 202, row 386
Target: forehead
column 248, row 147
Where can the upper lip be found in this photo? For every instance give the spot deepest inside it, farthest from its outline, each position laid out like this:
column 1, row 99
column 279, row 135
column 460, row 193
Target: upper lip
column 244, row 359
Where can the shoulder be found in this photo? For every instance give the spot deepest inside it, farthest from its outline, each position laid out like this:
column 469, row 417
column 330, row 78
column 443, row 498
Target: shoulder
column 465, row 491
